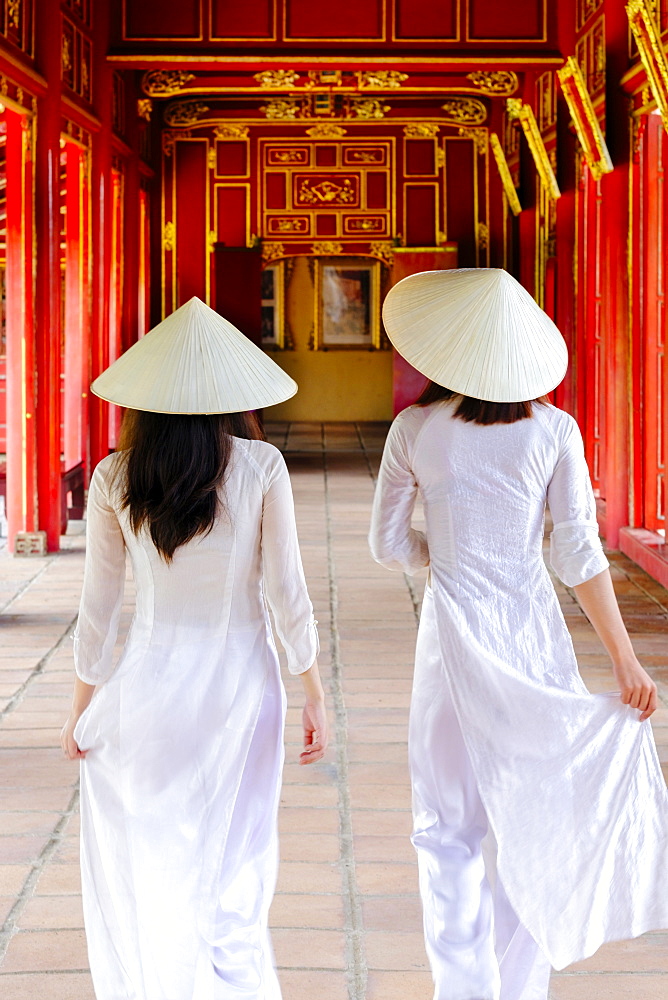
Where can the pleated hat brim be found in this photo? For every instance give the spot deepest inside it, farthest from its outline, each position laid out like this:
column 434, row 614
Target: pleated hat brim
column 476, row 331
column 195, row 361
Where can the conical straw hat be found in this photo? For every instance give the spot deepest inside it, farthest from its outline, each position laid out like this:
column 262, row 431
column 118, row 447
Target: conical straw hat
column 194, row 362
column 476, row 331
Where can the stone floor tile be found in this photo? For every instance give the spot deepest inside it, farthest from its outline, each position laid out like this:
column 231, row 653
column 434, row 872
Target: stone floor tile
column 299, row 984
column 52, row 912
column 387, row 879
column 401, row 986
column 46, row 951
column 297, row 948
column 395, row 950
column 303, row 876
column 47, row 986
column 312, row 910
column 392, row 913
column 608, row 987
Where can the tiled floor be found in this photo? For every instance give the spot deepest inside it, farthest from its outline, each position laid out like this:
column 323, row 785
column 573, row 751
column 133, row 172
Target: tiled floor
column 346, row 916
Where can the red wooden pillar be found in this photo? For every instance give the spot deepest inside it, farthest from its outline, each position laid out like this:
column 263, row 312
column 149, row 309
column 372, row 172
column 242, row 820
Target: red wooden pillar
column 21, row 422
column 76, row 306
column 47, row 306
column 101, row 234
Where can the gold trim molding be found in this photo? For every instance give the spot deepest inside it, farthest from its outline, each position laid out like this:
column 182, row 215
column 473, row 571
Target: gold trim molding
column 540, row 156
column 584, row 119
column 495, row 83
column 387, row 79
column 504, row 174
column 465, row 111
column 165, row 82
column 269, row 78
column 652, row 54
column 184, row 113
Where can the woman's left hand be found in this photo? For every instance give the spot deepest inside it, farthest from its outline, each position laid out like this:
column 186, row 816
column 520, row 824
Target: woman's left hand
column 67, row 741
column 314, row 721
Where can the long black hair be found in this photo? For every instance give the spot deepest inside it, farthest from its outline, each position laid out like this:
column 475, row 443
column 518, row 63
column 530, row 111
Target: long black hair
column 479, row 411
column 174, row 466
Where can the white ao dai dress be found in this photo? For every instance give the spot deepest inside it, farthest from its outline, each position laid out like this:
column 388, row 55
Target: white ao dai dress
column 570, row 782
column 180, row 785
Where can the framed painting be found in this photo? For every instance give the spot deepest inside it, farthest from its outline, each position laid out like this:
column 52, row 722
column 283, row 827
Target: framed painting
column 347, row 296
column 273, row 313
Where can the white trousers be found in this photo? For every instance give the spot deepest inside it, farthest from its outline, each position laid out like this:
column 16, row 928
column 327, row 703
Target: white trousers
column 477, row 948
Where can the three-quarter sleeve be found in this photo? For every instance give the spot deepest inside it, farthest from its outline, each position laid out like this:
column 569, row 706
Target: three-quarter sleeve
column 576, row 553
column 103, row 585
column 393, row 541
column 283, row 574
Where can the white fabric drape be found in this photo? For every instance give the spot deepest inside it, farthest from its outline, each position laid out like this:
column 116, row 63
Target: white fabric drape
column 570, row 781
column 184, row 739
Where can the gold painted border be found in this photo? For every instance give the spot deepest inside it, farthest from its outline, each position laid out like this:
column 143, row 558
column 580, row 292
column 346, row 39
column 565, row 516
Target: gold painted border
column 416, row 138
column 437, row 211
column 352, row 41
column 504, row 174
column 652, row 54
column 537, row 146
column 347, row 260
column 500, row 41
column 248, row 189
column 407, row 41
column 584, row 118
column 244, row 38
column 336, row 61
column 158, row 38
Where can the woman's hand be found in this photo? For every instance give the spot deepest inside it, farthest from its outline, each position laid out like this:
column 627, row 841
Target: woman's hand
column 636, row 686
column 67, row 741
column 314, row 721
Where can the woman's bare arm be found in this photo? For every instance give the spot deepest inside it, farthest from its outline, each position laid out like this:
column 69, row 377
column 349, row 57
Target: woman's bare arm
column 597, row 599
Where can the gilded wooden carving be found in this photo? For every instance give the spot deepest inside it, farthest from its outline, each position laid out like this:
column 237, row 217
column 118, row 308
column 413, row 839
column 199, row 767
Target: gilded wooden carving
column 269, row 78
column 652, row 54
column 465, row 111
column 496, row 83
column 231, row 131
column 421, row 130
column 381, row 78
column 184, row 112
column 326, row 131
column 165, row 82
column 504, row 174
column 584, row 118
column 479, row 137
column 540, row 157
column 365, row 107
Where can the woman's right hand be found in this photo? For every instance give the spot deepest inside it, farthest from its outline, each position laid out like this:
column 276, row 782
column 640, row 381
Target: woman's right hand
column 316, row 737
column 636, row 686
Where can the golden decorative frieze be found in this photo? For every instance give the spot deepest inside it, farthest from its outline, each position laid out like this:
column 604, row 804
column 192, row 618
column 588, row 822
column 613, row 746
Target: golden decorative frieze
column 272, row 251
column 14, row 13
column 269, row 78
column 465, row 111
column 440, row 158
column 169, row 237
column 504, row 174
column 184, row 112
column 285, row 108
column 327, row 192
column 479, row 136
column 387, row 79
column 212, row 239
column 144, row 108
column 383, row 249
column 287, row 156
column 365, row 225
column 231, row 132
column 421, row 130
column 584, row 119
column 299, row 225
column 326, row 131
column 540, row 156
column 211, row 158
column 327, row 248
column 495, row 83
column 165, row 82
column 652, row 54
column 366, row 107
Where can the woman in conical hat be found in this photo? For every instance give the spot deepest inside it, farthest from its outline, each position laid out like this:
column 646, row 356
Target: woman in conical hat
column 505, row 742
column 181, row 746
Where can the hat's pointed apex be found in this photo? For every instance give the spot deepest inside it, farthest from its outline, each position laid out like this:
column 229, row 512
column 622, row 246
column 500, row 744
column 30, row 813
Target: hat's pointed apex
column 195, row 361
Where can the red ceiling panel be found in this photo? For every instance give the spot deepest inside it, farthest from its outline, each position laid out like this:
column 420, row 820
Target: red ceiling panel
column 231, row 19
column 348, row 19
column 162, row 19
column 490, row 20
column 426, row 19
